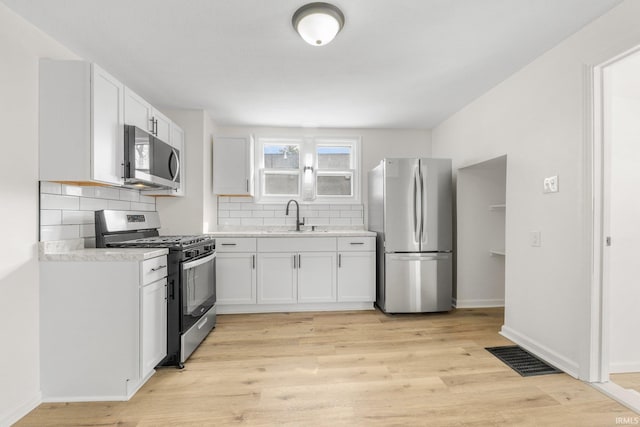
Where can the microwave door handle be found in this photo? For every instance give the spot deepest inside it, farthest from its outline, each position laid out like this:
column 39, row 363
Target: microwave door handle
column 174, row 154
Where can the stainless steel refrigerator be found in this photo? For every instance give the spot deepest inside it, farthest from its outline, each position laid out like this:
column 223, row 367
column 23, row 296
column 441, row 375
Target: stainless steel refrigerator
column 410, row 210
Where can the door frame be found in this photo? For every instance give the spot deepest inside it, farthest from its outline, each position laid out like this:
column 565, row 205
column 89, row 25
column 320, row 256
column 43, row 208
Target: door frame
column 597, row 151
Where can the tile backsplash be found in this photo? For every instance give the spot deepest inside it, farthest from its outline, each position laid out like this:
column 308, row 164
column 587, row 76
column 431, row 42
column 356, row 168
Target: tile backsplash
column 243, row 212
column 67, row 211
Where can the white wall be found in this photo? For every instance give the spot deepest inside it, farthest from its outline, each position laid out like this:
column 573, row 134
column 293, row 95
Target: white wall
column 537, row 118
column 21, row 45
column 624, row 269
column 376, row 143
column 480, row 275
column 195, row 212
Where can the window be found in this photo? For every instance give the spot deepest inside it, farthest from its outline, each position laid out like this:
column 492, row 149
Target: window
column 322, row 170
column 281, row 168
column 335, row 170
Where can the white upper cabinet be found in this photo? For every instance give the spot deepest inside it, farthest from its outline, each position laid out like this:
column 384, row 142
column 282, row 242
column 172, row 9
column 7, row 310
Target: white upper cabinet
column 233, row 166
column 81, row 123
column 162, row 126
column 137, row 111
column 140, row 113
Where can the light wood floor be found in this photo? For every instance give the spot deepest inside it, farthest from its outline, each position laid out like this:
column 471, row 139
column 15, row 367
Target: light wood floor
column 630, row 380
column 355, row 368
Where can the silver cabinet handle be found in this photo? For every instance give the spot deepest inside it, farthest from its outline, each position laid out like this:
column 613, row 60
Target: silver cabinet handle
column 295, row 263
column 356, row 243
column 228, row 244
column 160, row 267
column 299, row 261
column 247, row 185
column 151, row 130
column 253, row 262
column 339, row 260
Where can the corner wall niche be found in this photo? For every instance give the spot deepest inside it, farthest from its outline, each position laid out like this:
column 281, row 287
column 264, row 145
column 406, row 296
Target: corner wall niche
column 481, row 253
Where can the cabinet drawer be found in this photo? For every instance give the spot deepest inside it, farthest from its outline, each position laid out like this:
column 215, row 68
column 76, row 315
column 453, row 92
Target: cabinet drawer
column 356, row 244
column 233, row 244
column 296, row 244
column 154, row 269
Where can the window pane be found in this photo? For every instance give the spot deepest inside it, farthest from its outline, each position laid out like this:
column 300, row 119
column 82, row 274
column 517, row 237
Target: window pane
column 283, row 184
column 281, row 156
column 334, row 185
column 334, row 157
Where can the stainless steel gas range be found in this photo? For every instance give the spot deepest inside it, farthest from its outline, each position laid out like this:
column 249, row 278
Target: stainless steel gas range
column 191, row 288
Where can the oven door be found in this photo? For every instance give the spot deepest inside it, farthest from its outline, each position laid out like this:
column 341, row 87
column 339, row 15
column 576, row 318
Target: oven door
column 198, row 284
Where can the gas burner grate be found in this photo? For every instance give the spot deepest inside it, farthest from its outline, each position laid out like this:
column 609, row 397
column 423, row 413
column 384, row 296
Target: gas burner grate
column 521, row 361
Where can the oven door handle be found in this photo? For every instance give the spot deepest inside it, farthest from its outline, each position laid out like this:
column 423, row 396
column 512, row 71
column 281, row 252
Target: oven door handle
column 192, row 264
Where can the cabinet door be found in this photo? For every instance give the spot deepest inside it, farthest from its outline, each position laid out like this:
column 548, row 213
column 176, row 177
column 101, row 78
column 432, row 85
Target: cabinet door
column 162, row 129
column 232, row 166
column 153, row 325
column 316, row 277
column 357, row 276
column 107, row 154
column 277, row 278
column 137, row 111
column 236, row 278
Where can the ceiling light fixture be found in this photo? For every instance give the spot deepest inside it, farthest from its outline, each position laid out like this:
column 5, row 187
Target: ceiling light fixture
column 318, row 23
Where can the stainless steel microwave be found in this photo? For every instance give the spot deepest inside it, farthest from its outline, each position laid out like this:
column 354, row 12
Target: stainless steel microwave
column 148, row 161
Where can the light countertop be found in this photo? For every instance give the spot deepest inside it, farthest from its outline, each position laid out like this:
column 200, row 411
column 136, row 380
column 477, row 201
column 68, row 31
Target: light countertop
column 72, row 250
column 292, row 233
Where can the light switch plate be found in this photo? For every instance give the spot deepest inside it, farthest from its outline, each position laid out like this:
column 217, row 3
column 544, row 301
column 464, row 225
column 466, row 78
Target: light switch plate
column 551, row 184
column 535, row 238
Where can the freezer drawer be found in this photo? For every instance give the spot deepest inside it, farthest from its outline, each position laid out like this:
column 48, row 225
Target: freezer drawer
column 416, row 283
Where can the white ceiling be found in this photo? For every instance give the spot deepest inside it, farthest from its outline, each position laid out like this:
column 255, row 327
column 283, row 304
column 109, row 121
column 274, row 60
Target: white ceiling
column 396, row 64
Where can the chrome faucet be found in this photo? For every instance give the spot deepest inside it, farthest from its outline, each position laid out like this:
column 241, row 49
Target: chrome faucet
column 298, row 222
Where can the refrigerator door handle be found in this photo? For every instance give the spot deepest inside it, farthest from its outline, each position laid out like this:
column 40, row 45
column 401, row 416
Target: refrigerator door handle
column 416, row 226
column 421, row 257
column 423, row 199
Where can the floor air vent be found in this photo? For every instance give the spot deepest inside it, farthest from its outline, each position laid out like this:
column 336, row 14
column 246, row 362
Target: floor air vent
column 521, row 361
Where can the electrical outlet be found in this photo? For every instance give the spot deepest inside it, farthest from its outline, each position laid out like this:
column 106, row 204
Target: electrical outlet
column 535, row 238
column 551, row 184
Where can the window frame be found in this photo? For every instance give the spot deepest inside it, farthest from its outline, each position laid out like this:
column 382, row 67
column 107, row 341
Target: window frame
column 308, row 157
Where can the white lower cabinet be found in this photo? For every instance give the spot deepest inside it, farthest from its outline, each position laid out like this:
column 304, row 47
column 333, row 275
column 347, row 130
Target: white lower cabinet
column 356, row 276
column 316, row 277
column 286, row 277
column 235, row 278
column 153, row 314
column 277, row 278
column 292, row 274
column 103, row 327
column 235, row 271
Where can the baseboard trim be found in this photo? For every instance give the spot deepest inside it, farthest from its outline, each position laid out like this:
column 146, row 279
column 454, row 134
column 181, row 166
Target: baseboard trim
column 626, row 397
column 23, row 409
column 288, row 308
column 541, row 351
column 477, row 303
column 105, row 398
column 624, row 367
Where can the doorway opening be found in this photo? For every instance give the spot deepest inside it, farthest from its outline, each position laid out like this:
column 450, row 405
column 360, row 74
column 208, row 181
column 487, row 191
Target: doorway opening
column 616, row 231
column 481, row 212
